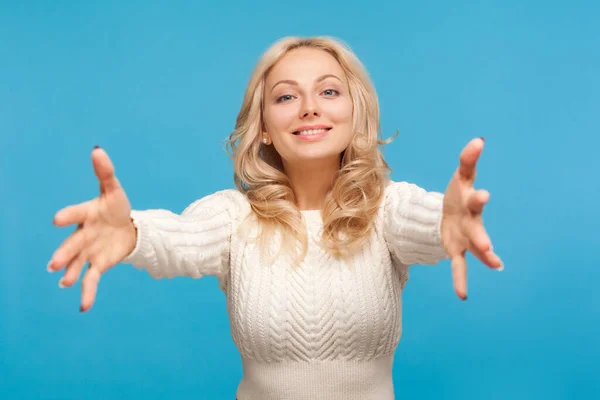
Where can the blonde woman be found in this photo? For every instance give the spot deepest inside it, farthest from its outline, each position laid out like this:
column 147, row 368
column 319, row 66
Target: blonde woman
column 313, row 247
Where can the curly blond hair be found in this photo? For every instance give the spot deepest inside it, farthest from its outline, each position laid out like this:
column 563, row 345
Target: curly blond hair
column 351, row 205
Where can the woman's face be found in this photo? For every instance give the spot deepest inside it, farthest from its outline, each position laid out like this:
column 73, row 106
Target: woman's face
column 307, row 108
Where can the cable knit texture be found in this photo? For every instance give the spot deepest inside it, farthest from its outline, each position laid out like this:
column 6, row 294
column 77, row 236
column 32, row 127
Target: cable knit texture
column 326, row 330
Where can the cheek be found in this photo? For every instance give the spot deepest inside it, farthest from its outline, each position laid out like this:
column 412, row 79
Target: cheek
column 279, row 115
column 340, row 112
column 278, row 121
column 277, row 124
column 341, row 117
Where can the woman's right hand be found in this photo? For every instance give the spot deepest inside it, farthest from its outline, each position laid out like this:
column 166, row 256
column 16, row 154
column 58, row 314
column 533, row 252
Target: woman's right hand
column 104, row 237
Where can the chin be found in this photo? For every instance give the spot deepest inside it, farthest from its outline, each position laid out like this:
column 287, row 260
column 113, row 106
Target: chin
column 317, row 155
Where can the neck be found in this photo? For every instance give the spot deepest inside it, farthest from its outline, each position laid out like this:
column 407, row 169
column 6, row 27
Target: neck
column 311, row 184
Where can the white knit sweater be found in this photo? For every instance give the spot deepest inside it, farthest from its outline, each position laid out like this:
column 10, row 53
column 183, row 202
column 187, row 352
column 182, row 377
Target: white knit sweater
column 325, row 331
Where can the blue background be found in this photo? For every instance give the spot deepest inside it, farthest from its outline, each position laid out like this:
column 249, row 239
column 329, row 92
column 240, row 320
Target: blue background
column 159, row 87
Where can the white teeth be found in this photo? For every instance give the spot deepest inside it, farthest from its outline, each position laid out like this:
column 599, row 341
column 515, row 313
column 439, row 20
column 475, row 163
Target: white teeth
column 312, row 131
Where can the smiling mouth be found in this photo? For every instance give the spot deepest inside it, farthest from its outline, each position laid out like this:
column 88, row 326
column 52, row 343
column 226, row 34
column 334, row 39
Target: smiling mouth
column 310, row 132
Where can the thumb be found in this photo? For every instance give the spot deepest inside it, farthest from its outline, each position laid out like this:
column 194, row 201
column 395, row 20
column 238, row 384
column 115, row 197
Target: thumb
column 468, row 159
column 104, row 170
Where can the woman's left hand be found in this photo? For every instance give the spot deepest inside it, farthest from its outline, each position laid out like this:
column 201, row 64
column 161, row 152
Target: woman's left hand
column 462, row 223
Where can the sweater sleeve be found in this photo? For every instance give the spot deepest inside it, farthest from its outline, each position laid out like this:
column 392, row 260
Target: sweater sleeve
column 412, row 222
column 194, row 244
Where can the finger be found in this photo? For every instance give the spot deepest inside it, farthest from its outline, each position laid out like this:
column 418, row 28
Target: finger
column 468, row 159
column 89, row 288
column 73, row 271
column 487, row 257
column 477, row 200
column 481, row 247
column 70, row 215
column 99, row 256
column 104, row 170
column 72, row 246
column 459, row 275
column 478, row 237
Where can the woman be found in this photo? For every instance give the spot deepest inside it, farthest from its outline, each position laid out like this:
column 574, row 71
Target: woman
column 312, row 249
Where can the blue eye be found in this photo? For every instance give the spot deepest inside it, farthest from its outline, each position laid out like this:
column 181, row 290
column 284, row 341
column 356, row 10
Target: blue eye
column 285, row 97
column 331, row 92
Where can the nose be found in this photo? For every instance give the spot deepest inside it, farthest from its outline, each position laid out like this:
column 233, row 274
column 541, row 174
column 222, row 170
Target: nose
column 309, row 108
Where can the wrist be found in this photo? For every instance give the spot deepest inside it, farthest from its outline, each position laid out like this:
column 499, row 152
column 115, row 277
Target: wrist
column 130, row 233
column 133, row 232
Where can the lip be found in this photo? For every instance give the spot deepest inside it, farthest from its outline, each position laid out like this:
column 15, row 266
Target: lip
column 311, row 138
column 308, row 127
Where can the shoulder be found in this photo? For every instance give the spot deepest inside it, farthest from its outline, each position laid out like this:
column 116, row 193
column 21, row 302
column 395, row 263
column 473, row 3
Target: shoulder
column 232, row 201
column 406, row 192
column 410, row 199
column 395, row 187
column 395, row 192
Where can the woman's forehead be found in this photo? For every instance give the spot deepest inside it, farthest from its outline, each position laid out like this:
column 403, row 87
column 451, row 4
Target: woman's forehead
column 305, row 65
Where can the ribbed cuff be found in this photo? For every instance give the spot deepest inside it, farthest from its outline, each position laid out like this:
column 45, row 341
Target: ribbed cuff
column 142, row 255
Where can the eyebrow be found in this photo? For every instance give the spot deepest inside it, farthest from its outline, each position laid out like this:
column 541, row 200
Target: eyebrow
column 292, row 82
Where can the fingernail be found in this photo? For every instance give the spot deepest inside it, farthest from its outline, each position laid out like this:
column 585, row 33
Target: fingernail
column 61, row 284
column 80, row 308
column 482, row 138
column 465, row 299
column 48, row 266
column 96, row 147
column 500, row 268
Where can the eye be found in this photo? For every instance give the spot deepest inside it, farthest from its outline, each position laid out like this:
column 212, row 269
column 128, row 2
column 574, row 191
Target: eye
column 283, row 98
column 331, row 92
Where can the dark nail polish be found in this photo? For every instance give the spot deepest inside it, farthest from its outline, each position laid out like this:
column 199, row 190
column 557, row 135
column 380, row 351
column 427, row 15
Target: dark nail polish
column 96, row 147
column 482, row 138
column 80, row 308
